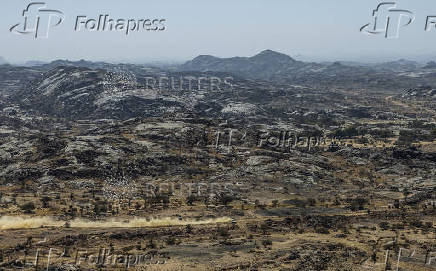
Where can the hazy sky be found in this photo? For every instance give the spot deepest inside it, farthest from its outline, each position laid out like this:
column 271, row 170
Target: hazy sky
column 309, row 29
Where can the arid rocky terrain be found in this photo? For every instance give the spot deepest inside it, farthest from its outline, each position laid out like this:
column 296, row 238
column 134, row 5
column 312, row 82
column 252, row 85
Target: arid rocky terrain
column 258, row 163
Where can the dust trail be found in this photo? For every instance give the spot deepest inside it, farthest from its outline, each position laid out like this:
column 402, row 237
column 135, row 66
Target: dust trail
column 17, row 222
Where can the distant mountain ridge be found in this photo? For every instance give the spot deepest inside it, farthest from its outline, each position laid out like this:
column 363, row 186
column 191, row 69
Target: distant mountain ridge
column 263, row 65
column 279, row 67
column 3, row 61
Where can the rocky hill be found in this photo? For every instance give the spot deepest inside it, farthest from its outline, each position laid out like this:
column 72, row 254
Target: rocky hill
column 83, row 93
column 263, row 65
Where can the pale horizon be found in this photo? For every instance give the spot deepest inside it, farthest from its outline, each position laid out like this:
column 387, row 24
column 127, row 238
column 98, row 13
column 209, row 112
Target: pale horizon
column 312, row 30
